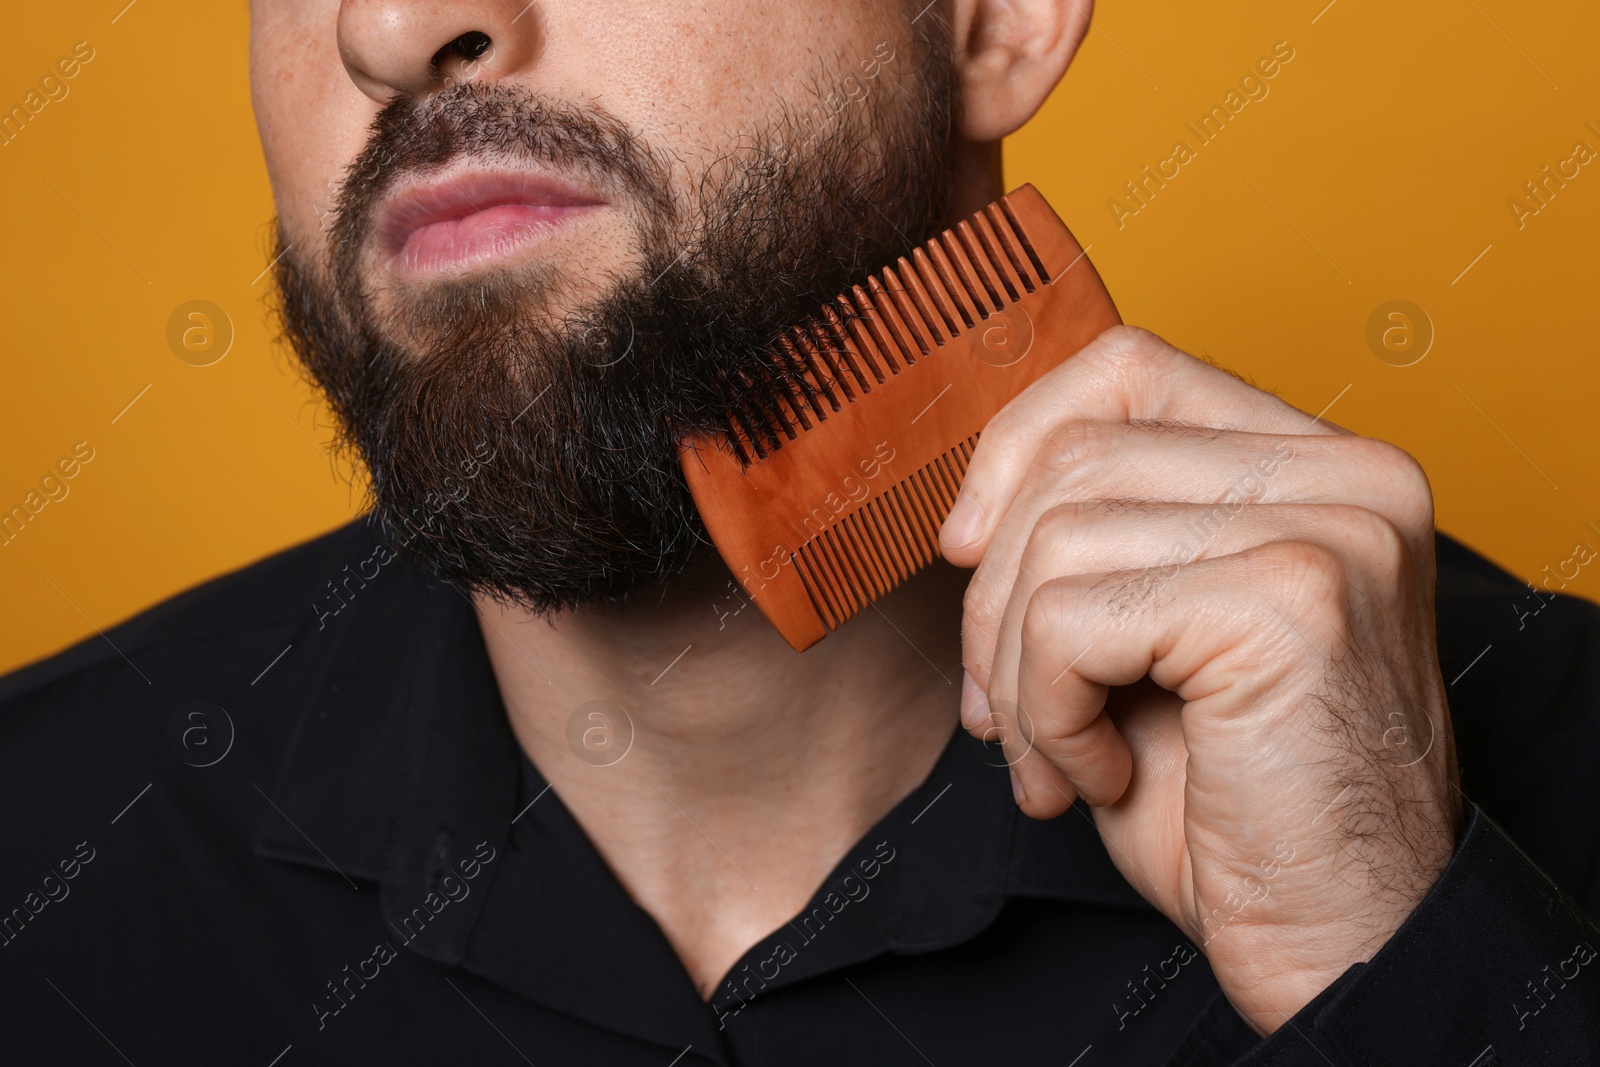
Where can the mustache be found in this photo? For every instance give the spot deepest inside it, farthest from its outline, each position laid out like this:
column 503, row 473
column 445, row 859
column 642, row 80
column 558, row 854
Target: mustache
column 411, row 137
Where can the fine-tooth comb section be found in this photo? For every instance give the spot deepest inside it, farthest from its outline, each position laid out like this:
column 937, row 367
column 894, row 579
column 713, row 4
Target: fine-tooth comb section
column 882, row 544
column 834, row 495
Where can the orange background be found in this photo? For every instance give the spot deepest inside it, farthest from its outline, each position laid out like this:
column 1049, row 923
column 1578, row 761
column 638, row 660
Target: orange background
column 1378, row 167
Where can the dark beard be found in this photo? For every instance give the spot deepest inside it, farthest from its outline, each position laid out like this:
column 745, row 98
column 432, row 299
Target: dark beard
column 534, row 459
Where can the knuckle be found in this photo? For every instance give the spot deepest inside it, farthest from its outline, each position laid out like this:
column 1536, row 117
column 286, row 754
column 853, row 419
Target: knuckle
column 978, row 608
column 1044, row 619
column 1128, row 352
column 1058, row 528
column 1416, row 493
column 1001, row 435
column 1067, row 744
column 1071, row 448
column 1299, row 578
column 1405, row 483
column 1123, row 593
column 1131, row 343
column 1132, row 363
column 1374, row 536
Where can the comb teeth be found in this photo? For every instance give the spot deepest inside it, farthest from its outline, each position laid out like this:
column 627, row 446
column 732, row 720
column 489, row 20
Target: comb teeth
column 832, row 495
column 884, row 542
column 905, row 312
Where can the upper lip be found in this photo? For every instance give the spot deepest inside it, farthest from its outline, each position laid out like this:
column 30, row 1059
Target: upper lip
column 465, row 194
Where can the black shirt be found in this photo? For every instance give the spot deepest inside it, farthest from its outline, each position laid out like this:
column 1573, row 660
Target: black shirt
column 262, row 824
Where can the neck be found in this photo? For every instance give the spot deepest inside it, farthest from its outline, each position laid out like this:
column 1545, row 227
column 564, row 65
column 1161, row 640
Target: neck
column 979, row 176
column 751, row 768
column 721, row 774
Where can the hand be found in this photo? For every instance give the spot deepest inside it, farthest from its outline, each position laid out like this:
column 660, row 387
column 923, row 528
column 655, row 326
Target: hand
column 1274, row 769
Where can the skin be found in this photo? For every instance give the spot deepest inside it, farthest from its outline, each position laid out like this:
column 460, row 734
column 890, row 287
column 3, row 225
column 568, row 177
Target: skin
column 1267, row 788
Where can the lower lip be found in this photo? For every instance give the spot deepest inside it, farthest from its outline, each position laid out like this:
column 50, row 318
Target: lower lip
column 482, row 237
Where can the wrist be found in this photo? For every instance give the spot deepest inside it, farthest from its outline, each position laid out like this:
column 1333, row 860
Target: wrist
column 1270, row 972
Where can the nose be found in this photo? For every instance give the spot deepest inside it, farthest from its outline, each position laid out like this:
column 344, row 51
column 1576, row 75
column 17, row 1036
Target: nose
column 419, row 46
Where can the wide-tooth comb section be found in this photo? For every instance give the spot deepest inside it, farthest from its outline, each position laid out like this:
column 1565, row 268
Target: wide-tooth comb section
column 869, row 330
column 967, row 280
column 820, row 369
column 989, row 273
column 835, row 366
column 938, row 278
column 911, row 307
column 1005, row 268
column 833, row 343
column 862, row 353
column 1021, row 234
column 808, row 388
column 830, row 497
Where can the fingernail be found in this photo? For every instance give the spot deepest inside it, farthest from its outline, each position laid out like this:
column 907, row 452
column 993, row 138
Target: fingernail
column 974, row 706
column 1016, row 788
column 964, row 524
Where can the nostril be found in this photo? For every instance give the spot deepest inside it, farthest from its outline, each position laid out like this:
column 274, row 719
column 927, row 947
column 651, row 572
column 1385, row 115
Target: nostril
column 469, row 46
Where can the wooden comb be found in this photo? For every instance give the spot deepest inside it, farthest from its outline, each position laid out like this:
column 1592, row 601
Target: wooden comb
column 843, row 499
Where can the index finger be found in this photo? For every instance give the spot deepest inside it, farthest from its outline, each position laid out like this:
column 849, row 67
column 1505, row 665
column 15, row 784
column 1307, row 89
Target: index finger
column 1124, row 375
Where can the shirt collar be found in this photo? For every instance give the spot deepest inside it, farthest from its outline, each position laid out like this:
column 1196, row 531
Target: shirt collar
column 403, row 771
column 403, row 768
column 932, row 874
